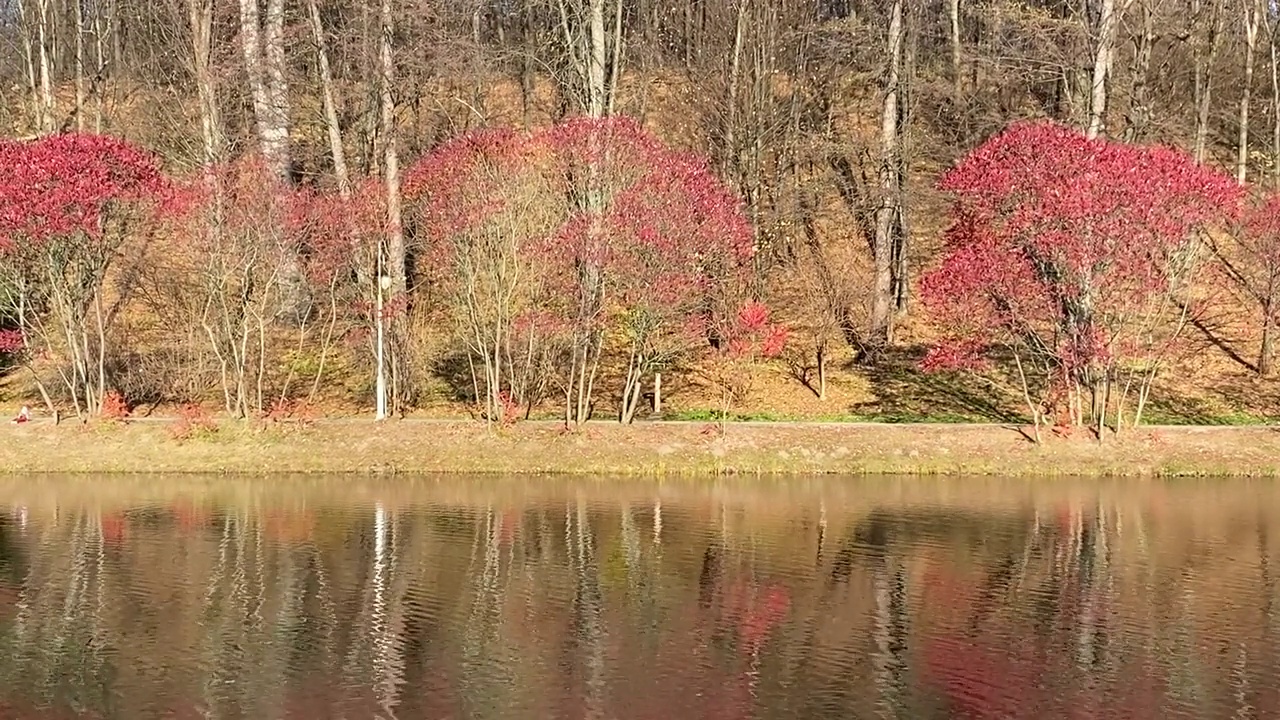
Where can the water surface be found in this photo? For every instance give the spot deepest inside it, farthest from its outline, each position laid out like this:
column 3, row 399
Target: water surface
column 483, row 598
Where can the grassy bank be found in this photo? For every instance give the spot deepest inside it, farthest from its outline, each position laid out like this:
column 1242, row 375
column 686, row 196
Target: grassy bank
column 668, row 448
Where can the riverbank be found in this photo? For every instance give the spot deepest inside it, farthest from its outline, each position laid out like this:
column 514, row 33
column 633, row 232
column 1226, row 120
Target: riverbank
column 660, row 448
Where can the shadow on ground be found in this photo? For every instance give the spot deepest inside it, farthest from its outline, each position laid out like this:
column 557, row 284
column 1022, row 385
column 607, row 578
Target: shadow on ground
column 904, row 393
column 1230, row 401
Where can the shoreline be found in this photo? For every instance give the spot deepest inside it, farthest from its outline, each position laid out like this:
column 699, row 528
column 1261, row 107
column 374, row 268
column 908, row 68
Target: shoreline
column 339, row 446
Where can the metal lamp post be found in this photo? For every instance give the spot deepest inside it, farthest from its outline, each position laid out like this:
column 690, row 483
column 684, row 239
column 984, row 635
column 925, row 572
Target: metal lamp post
column 384, row 283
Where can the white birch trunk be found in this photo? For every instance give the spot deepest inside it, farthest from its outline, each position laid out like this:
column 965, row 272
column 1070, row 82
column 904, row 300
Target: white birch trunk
column 79, row 62
column 1252, row 16
column 200, row 18
column 598, row 44
column 957, row 73
column 391, row 158
column 887, row 213
column 1108, row 25
column 44, row 37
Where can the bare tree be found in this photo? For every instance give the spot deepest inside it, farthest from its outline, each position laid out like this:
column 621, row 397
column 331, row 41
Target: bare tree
column 79, row 61
column 263, row 46
column 888, row 217
column 44, row 36
column 594, row 50
column 333, row 128
column 200, row 19
column 1252, row 12
column 957, row 72
column 395, row 250
column 1104, row 50
column 1139, row 118
column 1204, row 52
column 1273, row 36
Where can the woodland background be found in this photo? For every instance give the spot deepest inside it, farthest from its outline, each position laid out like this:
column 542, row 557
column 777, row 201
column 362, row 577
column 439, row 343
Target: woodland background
column 830, row 119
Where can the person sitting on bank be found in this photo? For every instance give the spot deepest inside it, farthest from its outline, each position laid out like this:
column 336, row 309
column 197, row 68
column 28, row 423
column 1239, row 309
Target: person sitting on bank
column 24, row 415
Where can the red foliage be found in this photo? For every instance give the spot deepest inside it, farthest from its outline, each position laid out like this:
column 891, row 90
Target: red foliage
column 666, row 227
column 1261, row 224
column 115, row 407
column 237, row 208
column 604, row 227
column 511, row 411
column 192, row 420
column 335, row 234
column 10, row 341
column 752, row 334
column 1066, row 245
column 68, row 184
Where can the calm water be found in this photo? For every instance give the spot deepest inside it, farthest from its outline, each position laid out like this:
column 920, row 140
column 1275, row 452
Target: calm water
column 602, row 600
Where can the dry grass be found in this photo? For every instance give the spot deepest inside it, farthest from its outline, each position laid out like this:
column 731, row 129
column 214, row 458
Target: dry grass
column 658, row 449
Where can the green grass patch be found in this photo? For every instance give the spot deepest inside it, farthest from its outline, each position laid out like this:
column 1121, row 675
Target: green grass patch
column 1232, row 418
column 718, row 415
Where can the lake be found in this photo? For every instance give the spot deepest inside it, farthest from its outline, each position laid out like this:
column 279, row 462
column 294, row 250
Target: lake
column 619, row 599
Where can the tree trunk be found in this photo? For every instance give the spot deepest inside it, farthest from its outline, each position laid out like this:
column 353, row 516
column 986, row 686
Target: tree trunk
column 1139, row 120
column 957, row 72
column 1108, row 23
column 391, row 159
column 1251, row 20
column 263, row 48
column 1275, row 101
column 734, row 81
column 44, row 37
column 103, row 24
column 1203, row 57
column 79, row 110
column 902, row 234
column 589, row 47
column 597, row 55
column 200, row 17
column 275, row 129
column 1267, row 352
column 888, row 212
column 822, row 371
column 264, row 65
column 29, row 59
column 615, row 60
column 332, row 127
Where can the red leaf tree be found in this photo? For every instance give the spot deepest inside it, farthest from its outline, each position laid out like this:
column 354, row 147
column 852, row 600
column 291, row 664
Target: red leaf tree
column 558, row 242
column 234, row 232
column 337, row 238
column 1074, row 256
column 67, row 204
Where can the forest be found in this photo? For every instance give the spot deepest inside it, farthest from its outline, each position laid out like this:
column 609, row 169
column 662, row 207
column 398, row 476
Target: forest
column 1057, row 212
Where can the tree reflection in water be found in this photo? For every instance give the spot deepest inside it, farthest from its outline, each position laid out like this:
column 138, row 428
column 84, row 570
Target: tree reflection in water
column 692, row 604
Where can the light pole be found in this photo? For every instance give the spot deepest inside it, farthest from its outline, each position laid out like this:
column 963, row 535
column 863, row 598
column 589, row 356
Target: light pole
column 384, row 283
